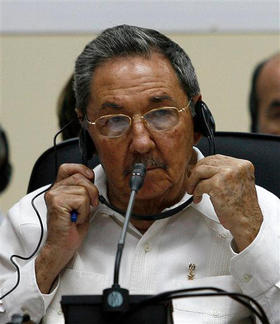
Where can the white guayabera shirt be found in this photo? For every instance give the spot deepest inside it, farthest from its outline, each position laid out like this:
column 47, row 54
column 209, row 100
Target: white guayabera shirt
column 189, row 249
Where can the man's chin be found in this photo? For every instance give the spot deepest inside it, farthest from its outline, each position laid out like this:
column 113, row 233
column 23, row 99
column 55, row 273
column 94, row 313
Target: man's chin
column 156, row 183
column 152, row 190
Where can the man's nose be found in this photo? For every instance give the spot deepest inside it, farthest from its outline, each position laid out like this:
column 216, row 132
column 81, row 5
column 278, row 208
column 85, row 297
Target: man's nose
column 141, row 142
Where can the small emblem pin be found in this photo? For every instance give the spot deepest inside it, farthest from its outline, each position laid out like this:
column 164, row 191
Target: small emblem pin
column 191, row 271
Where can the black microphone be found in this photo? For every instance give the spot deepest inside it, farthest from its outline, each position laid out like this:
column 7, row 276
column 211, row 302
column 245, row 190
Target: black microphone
column 137, row 176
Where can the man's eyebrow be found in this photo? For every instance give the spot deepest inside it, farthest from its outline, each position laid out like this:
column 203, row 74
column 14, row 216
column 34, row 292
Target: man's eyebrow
column 108, row 104
column 154, row 99
column 161, row 98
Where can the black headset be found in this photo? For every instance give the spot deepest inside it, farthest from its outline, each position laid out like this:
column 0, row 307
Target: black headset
column 204, row 124
column 5, row 166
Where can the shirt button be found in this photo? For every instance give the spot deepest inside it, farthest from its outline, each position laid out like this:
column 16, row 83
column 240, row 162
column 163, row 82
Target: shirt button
column 247, row 277
column 147, row 247
column 222, row 235
column 59, row 312
column 216, row 314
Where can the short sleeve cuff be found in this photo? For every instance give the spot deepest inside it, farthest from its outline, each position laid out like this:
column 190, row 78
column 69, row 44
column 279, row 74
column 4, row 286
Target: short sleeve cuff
column 257, row 268
column 49, row 297
column 27, row 297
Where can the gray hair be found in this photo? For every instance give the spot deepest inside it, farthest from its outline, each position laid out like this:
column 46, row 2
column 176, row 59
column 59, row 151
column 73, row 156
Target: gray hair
column 125, row 40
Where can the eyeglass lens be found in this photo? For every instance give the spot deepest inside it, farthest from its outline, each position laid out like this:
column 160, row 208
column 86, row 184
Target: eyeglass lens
column 162, row 119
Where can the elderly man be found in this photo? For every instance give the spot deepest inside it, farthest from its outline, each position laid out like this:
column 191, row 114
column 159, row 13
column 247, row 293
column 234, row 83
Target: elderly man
column 137, row 95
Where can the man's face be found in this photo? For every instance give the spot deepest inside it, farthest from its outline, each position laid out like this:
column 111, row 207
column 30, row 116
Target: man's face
column 268, row 90
column 133, row 86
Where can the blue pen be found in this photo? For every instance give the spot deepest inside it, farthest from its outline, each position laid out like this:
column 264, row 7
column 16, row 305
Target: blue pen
column 74, row 216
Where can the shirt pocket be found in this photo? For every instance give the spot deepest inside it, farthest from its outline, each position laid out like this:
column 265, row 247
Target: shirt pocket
column 208, row 309
column 74, row 282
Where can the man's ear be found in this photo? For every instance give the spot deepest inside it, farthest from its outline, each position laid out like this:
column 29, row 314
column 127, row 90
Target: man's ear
column 79, row 115
column 196, row 98
column 87, row 146
column 196, row 137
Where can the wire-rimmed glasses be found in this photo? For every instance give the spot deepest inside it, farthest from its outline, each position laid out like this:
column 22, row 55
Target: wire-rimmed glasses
column 158, row 119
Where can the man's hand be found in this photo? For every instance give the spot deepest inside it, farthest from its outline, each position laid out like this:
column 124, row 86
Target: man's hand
column 73, row 190
column 230, row 183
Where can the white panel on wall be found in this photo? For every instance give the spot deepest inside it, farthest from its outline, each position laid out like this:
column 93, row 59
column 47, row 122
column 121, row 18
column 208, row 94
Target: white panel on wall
column 68, row 16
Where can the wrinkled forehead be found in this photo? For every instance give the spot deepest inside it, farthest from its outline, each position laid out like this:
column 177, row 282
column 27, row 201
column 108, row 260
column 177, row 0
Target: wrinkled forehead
column 134, row 76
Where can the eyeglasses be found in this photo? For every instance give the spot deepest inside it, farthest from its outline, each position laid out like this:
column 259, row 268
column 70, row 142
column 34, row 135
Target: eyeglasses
column 159, row 119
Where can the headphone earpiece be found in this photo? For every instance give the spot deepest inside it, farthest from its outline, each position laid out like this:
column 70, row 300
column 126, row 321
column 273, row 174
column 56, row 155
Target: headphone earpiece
column 87, row 147
column 204, row 122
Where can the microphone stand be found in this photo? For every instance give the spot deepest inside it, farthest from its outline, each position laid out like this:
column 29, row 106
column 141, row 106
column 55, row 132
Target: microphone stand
column 116, row 305
column 116, row 298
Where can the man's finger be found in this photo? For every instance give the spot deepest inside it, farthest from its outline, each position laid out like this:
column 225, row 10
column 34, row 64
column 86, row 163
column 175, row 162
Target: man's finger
column 199, row 173
column 67, row 169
